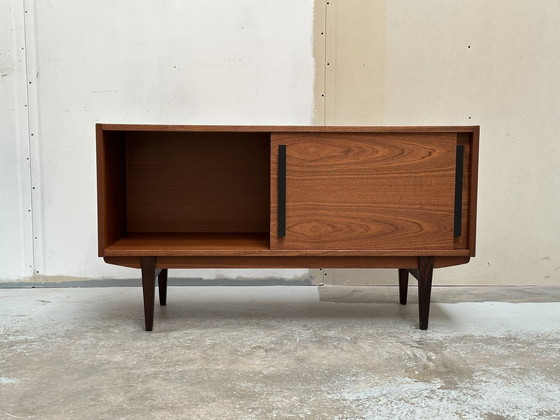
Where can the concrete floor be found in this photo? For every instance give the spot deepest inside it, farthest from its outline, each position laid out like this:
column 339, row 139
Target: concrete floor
column 280, row 352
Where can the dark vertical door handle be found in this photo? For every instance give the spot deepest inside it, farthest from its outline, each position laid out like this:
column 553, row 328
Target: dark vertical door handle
column 459, row 190
column 281, row 190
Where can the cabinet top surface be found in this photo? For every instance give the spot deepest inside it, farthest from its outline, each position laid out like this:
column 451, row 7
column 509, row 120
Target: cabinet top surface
column 288, row 129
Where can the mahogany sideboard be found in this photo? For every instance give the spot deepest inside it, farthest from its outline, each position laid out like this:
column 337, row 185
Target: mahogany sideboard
column 173, row 196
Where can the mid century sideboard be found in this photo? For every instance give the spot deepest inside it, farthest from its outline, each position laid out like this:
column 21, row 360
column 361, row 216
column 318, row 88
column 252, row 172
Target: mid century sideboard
column 286, row 197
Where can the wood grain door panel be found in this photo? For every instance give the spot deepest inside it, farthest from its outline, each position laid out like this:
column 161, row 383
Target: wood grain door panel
column 365, row 191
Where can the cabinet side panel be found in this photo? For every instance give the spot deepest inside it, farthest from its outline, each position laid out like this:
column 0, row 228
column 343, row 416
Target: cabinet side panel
column 473, row 189
column 367, row 191
column 111, row 187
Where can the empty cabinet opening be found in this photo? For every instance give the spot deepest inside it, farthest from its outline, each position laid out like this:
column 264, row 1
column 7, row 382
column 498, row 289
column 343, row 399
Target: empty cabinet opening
column 199, row 190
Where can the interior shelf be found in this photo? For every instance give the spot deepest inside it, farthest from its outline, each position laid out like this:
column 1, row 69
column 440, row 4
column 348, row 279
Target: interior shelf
column 187, row 243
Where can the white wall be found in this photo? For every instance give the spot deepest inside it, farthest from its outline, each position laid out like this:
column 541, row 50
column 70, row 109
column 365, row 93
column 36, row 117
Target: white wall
column 401, row 62
column 183, row 62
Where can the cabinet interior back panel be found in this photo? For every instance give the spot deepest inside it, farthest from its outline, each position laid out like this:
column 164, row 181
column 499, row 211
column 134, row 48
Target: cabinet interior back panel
column 366, row 191
column 197, row 182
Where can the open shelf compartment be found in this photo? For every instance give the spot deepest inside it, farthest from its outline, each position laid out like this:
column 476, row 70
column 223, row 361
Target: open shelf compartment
column 182, row 190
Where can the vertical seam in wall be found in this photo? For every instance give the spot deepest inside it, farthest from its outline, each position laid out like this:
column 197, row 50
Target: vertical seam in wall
column 22, row 156
column 29, row 140
column 319, row 60
column 325, row 66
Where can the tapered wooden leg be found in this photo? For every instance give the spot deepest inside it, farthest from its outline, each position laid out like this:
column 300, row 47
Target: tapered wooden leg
column 148, row 266
column 162, row 286
column 403, row 285
column 425, row 271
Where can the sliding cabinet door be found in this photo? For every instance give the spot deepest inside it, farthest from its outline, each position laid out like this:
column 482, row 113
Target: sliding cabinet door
column 350, row 191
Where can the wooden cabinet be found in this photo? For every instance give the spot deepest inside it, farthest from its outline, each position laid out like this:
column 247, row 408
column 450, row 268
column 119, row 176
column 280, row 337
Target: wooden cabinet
column 347, row 197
